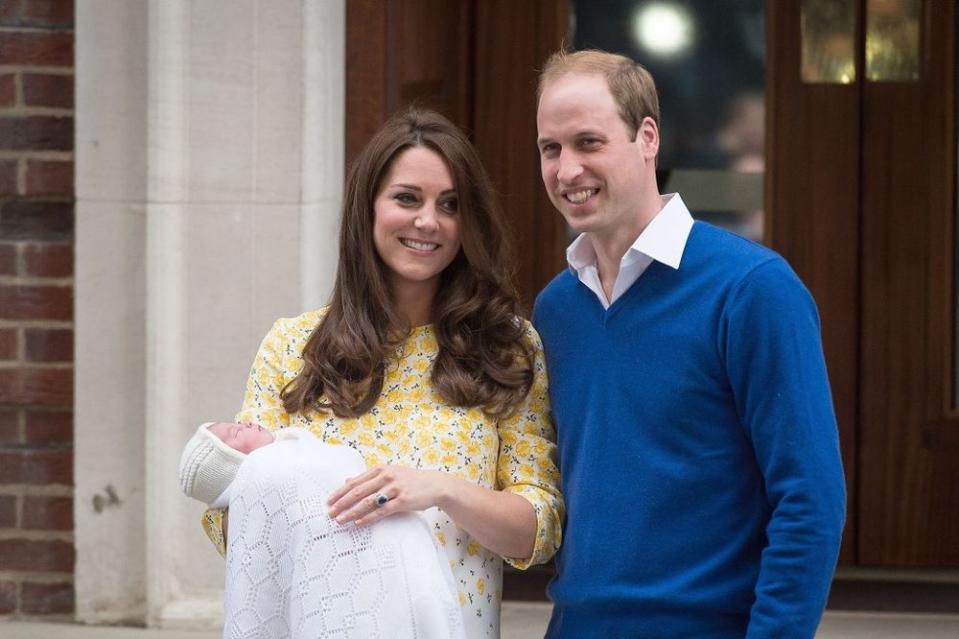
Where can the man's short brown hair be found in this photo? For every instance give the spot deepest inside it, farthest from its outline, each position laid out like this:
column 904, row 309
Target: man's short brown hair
column 630, row 84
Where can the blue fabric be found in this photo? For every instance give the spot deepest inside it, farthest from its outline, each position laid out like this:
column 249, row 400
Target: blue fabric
column 698, row 449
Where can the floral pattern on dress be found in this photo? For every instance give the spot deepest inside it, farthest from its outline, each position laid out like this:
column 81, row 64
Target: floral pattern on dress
column 411, row 425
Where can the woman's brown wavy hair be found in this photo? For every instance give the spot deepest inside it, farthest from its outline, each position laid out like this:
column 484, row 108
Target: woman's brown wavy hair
column 484, row 356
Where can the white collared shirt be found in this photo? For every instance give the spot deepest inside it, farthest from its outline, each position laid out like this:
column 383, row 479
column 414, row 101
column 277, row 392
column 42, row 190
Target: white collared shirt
column 663, row 240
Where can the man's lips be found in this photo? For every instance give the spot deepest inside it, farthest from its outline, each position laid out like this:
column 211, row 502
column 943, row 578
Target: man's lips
column 579, row 196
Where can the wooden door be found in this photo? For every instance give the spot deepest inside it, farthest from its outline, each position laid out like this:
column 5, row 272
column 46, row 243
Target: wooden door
column 861, row 190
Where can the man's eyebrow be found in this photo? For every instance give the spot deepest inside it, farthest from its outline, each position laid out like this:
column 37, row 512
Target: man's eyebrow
column 542, row 141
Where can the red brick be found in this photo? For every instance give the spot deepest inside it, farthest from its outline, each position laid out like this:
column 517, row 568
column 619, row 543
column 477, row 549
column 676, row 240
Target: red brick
column 37, row 466
column 49, row 178
column 36, row 220
column 49, row 260
column 46, row 599
column 8, row 343
column 47, row 513
column 36, row 302
column 45, row 386
column 36, row 132
column 47, row 90
column 8, row 177
column 8, row 259
column 48, row 13
column 8, row 511
column 10, row 11
column 52, row 426
column 8, row 90
column 48, row 345
column 49, row 49
column 9, row 426
column 8, row 597
column 24, row 554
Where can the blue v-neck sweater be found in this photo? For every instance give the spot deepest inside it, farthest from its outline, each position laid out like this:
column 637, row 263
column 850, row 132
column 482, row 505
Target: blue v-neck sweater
column 698, row 450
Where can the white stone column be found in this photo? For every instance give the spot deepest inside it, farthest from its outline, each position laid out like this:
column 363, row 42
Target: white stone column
column 209, row 174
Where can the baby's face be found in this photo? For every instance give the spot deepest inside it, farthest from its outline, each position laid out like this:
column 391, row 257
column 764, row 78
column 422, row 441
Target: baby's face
column 242, row 437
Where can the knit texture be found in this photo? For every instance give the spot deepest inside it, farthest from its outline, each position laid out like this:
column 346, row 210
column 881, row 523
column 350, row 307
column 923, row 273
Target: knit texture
column 698, row 449
column 208, row 466
column 293, row 572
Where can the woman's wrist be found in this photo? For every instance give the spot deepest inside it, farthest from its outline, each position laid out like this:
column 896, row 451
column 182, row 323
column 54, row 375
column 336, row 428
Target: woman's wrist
column 446, row 489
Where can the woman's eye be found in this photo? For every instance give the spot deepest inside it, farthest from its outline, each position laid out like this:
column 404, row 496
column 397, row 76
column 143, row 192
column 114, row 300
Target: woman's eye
column 405, row 198
column 451, row 205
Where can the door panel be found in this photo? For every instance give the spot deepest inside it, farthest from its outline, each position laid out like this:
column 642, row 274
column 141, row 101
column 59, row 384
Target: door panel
column 909, row 475
column 812, row 183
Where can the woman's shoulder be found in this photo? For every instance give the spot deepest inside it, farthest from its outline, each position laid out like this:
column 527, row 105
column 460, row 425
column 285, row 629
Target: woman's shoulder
column 530, row 333
column 302, row 323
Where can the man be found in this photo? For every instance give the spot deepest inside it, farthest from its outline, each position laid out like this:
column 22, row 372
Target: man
column 697, row 440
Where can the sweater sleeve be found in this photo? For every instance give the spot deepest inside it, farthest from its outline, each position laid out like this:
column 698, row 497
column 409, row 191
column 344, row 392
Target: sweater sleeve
column 776, row 368
column 261, row 405
column 526, row 464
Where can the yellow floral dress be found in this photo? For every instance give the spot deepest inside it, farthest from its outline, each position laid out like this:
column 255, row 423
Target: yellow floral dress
column 411, row 425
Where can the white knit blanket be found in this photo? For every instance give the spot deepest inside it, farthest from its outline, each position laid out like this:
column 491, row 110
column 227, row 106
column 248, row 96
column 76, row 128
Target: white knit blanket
column 291, row 571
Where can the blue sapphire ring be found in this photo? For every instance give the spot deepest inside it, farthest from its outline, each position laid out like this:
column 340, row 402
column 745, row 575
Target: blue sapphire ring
column 380, row 500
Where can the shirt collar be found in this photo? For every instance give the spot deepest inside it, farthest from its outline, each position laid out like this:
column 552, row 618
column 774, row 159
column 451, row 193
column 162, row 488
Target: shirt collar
column 663, row 239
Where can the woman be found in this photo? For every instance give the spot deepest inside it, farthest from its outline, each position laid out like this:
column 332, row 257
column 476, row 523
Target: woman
column 421, row 364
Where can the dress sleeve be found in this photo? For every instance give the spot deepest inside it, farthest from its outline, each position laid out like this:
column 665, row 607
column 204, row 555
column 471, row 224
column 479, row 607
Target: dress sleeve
column 527, row 461
column 268, row 376
column 261, row 405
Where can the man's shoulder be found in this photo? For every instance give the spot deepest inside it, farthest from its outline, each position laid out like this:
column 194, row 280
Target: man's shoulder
column 558, row 293
column 733, row 256
column 562, row 284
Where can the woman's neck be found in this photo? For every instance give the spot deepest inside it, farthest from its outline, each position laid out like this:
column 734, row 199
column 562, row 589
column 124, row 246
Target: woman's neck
column 414, row 301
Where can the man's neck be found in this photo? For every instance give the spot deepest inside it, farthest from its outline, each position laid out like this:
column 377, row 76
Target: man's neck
column 611, row 247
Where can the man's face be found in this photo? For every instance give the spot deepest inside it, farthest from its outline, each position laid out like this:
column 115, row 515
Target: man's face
column 242, row 437
column 596, row 175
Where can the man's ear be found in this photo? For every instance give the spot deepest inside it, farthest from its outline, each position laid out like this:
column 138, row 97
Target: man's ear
column 648, row 138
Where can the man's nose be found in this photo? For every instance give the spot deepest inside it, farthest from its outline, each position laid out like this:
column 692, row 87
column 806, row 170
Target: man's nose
column 569, row 168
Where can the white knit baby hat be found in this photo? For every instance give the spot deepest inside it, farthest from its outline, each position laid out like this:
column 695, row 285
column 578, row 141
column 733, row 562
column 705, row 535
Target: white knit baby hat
column 207, row 465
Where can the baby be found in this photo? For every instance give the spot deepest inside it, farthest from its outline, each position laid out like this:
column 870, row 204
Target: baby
column 292, row 570
column 212, row 457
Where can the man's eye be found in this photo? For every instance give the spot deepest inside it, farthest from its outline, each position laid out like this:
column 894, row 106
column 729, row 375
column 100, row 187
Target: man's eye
column 589, row 142
column 549, row 149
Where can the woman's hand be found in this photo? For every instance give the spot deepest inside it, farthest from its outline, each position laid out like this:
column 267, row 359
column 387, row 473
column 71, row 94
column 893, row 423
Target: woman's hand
column 406, row 489
column 503, row 522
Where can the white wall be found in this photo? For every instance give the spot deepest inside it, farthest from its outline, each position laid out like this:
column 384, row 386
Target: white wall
column 209, row 172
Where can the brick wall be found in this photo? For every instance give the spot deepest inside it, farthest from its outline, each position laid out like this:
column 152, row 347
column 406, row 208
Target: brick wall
column 36, row 308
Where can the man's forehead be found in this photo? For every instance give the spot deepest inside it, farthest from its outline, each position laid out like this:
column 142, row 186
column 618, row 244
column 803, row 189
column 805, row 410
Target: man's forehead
column 574, row 82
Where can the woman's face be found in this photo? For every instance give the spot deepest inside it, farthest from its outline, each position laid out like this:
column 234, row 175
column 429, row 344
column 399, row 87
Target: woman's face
column 416, row 221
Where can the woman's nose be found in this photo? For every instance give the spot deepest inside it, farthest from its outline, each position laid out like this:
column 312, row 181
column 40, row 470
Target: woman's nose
column 426, row 219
